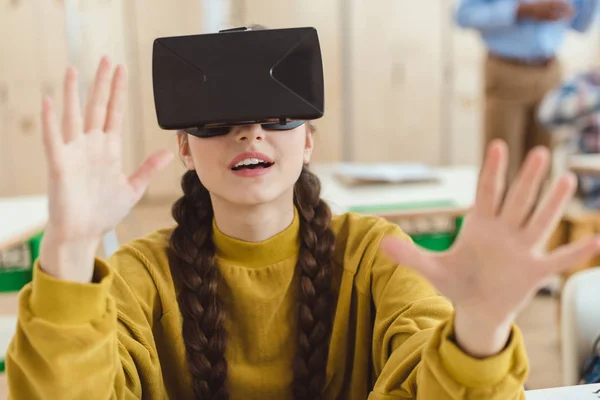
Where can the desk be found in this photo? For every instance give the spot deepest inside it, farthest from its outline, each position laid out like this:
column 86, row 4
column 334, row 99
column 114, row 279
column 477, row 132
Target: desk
column 453, row 195
column 582, row 392
column 21, row 218
column 584, row 163
column 8, row 325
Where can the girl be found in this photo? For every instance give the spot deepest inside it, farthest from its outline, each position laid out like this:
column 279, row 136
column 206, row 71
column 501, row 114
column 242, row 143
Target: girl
column 259, row 292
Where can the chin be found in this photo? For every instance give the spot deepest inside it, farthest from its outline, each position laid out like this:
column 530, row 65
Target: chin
column 250, row 198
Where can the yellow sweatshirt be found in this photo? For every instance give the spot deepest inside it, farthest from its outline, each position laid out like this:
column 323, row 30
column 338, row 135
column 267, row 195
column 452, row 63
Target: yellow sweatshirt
column 120, row 337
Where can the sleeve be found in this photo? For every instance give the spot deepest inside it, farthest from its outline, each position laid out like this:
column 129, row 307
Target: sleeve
column 586, row 12
column 486, row 15
column 87, row 341
column 414, row 354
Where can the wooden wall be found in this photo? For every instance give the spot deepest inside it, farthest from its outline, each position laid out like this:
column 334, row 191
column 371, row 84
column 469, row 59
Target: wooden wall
column 32, row 60
column 403, row 83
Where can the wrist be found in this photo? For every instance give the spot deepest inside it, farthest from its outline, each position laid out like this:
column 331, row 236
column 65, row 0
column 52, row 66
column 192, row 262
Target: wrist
column 480, row 337
column 68, row 260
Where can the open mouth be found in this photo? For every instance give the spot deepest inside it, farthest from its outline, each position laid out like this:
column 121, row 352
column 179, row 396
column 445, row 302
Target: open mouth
column 252, row 164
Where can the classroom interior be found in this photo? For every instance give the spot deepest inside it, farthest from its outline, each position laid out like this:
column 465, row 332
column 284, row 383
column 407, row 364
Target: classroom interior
column 403, row 84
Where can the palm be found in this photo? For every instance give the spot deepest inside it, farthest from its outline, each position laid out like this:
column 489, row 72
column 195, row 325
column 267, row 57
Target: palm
column 498, row 261
column 77, row 199
column 490, row 266
column 88, row 192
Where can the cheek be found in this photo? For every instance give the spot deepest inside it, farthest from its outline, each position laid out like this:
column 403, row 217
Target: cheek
column 293, row 150
column 205, row 154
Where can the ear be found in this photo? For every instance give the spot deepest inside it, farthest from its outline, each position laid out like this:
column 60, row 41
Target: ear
column 309, row 144
column 185, row 153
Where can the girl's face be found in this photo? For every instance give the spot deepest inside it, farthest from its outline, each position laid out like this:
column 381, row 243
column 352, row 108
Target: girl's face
column 249, row 165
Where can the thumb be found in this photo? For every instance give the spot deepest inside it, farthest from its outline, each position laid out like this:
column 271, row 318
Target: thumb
column 408, row 254
column 140, row 180
column 573, row 254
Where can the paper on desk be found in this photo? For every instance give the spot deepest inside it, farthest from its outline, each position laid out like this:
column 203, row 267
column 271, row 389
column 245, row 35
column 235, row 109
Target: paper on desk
column 385, row 172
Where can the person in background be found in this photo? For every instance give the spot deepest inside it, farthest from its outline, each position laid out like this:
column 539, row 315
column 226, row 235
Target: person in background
column 522, row 38
column 575, row 105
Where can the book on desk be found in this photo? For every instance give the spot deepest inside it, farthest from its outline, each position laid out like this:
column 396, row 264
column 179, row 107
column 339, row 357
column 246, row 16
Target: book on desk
column 353, row 174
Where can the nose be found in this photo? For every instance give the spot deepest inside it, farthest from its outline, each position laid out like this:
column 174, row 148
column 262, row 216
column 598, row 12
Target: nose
column 250, row 133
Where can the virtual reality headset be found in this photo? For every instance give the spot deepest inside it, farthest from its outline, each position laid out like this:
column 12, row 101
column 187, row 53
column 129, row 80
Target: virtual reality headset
column 205, row 84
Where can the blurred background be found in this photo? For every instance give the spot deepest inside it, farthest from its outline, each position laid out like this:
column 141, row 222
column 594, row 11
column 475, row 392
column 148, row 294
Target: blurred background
column 403, row 84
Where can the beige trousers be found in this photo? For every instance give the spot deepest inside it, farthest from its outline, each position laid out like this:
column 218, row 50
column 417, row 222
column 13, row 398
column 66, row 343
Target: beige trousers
column 513, row 92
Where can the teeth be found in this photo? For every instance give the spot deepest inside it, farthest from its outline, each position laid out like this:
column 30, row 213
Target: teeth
column 249, row 161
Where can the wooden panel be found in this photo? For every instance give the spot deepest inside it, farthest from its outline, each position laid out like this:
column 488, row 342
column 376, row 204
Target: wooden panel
column 23, row 159
column 152, row 19
column 103, row 31
column 5, row 165
column 396, row 81
column 20, row 39
column 16, row 18
column 325, row 17
column 34, row 62
column 465, row 102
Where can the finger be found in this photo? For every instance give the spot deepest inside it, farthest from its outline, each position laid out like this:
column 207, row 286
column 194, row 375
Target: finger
column 572, row 255
column 407, row 254
column 95, row 113
column 550, row 210
column 116, row 103
column 50, row 132
column 491, row 180
column 72, row 121
column 155, row 163
column 523, row 194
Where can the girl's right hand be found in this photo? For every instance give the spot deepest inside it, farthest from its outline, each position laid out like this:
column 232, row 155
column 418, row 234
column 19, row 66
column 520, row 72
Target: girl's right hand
column 88, row 193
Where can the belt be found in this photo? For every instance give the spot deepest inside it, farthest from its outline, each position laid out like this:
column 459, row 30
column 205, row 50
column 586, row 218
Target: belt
column 533, row 62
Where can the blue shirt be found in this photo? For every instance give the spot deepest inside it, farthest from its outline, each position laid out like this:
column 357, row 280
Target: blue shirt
column 504, row 34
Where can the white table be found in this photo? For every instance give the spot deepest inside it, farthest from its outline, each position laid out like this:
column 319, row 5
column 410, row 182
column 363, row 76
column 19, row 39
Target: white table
column 581, row 392
column 8, row 327
column 584, row 163
column 454, row 193
column 21, row 218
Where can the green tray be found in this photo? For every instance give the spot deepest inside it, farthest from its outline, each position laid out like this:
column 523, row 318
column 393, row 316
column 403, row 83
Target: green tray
column 13, row 279
column 435, row 241
column 438, row 241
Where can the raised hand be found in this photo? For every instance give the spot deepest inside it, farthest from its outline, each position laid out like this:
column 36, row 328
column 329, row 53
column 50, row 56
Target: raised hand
column 498, row 261
column 88, row 192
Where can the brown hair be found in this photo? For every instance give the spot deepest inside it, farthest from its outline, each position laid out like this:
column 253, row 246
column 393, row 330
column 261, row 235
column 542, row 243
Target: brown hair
column 196, row 273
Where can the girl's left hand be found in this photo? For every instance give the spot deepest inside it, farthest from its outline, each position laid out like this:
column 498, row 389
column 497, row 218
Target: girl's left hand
column 498, row 262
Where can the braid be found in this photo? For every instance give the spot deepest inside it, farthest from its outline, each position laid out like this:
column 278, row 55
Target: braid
column 193, row 264
column 315, row 311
